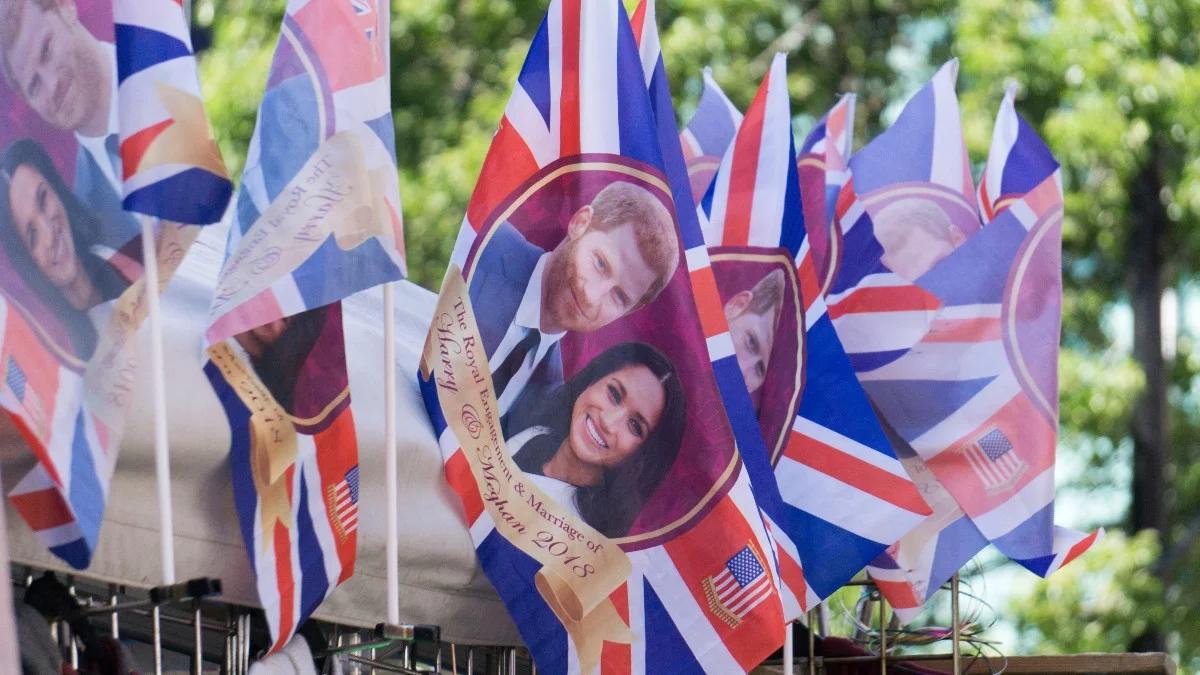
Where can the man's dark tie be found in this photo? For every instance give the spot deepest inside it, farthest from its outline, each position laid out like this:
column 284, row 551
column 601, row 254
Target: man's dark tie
column 512, row 362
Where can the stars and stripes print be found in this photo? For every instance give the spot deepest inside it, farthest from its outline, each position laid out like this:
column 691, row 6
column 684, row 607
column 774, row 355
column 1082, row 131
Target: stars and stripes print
column 738, row 588
column 842, row 495
column 343, row 503
column 589, row 86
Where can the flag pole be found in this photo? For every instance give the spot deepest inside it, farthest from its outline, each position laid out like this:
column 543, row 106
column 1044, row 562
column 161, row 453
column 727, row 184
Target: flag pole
column 389, row 444
column 162, row 454
column 789, row 649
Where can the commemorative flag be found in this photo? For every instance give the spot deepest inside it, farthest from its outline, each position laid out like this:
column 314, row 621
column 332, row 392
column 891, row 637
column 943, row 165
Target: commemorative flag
column 974, row 394
column 845, row 497
column 707, row 134
column 123, row 126
column 568, row 377
column 317, row 218
column 824, row 166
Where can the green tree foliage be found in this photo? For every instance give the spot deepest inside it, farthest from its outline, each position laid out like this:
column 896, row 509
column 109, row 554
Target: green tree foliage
column 1114, row 87
column 1098, row 603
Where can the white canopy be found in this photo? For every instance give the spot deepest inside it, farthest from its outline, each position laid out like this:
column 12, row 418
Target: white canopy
column 441, row 581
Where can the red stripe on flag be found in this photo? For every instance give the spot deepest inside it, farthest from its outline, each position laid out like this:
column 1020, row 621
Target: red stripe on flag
column 810, row 284
column 744, row 173
column 458, row 474
column 907, row 298
column 508, row 163
column 986, row 200
column 844, row 199
column 853, row 471
column 568, row 103
column 1079, row 548
column 792, row 575
column 639, row 21
column 616, row 659
column 708, row 302
column 964, row 330
column 134, row 147
column 898, row 593
column 284, row 582
column 43, row 509
column 35, row 444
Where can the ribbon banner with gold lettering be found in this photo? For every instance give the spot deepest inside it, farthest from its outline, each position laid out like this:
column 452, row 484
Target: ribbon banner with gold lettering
column 317, row 219
column 568, row 376
column 126, row 138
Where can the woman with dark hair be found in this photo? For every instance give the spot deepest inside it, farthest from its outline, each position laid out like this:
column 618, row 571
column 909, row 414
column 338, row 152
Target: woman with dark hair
column 50, row 240
column 605, row 439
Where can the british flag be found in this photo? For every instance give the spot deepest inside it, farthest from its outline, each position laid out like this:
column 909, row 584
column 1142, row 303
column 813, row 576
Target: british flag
column 845, row 497
column 824, row 167
column 583, row 89
column 984, row 368
column 707, row 134
column 159, row 149
column 62, row 497
column 172, row 168
column 323, row 142
column 328, row 98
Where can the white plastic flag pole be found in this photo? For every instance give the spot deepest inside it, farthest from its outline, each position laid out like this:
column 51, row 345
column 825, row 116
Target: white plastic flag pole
column 389, row 444
column 162, row 458
column 162, row 455
column 789, row 649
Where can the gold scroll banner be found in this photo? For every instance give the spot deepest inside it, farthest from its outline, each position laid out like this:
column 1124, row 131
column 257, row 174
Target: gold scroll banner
column 110, row 373
column 272, row 440
column 581, row 568
column 332, row 194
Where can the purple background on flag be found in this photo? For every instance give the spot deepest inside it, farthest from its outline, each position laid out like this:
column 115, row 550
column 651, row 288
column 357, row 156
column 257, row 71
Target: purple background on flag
column 1038, row 313
column 707, row 447
column 774, row 400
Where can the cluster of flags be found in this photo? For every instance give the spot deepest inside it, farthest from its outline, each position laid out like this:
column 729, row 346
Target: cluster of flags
column 686, row 384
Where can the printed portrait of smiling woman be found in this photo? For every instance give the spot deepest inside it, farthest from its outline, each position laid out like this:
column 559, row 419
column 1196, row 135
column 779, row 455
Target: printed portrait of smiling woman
column 53, row 242
column 602, row 442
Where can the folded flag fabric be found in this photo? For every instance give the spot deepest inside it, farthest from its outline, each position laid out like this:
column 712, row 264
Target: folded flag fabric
column 71, row 276
column 568, row 377
column 844, row 495
column 973, row 390
column 824, row 166
column 317, row 218
column 707, row 134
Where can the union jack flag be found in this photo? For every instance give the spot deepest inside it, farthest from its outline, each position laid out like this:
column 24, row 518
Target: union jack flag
column 844, row 496
column 984, row 368
column 588, row 87
column 325, row 132
column 824, row 167
column 172, row 168
column 707, row 134
column 158, row 148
